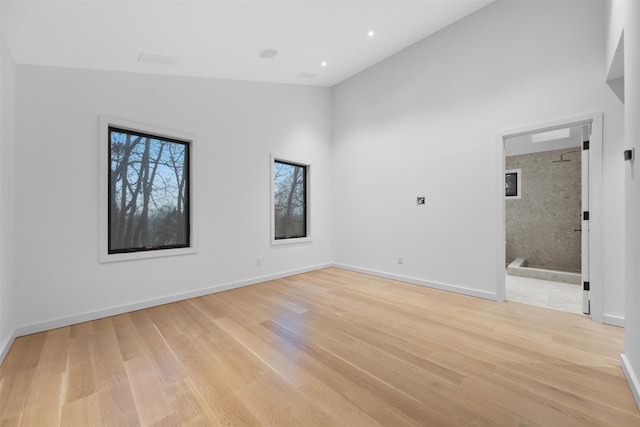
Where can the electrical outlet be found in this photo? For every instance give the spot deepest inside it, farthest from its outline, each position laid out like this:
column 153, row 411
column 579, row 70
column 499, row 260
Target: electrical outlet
column 259, row 262
column 420, row 200
column 400, row 259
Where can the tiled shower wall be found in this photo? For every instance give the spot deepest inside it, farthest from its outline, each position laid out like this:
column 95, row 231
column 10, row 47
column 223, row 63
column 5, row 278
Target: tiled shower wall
column 540, row 226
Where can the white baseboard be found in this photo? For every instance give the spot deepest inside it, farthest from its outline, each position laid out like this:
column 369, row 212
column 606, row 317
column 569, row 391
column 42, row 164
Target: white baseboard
column 421, row 282
column 6, row 346
column 613, row 320
column 632, row 379
column 113, row 311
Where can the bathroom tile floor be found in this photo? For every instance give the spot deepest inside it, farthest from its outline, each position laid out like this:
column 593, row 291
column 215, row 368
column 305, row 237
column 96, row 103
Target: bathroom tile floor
column 543, row 293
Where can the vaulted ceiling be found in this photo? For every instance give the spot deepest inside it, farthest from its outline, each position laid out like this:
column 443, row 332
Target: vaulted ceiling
column 315, row 42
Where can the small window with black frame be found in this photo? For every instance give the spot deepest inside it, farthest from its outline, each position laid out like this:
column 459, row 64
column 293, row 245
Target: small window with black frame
column 513, row 184
column 289, row 200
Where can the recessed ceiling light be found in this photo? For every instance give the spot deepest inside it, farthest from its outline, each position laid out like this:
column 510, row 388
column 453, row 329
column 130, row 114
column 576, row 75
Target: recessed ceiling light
column 323, row 63
column 268, row 53
column 371, row 33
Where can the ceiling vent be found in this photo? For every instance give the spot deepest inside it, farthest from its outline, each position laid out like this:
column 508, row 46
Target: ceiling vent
column 151, row 58
column 306, row 75
column 268, row 53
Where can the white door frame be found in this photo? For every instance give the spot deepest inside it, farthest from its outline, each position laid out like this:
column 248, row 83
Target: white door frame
column 585, row 224
column 596, row 208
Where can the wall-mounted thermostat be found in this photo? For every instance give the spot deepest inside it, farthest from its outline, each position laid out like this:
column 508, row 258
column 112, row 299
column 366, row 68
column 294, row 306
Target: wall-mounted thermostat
column 420, row 200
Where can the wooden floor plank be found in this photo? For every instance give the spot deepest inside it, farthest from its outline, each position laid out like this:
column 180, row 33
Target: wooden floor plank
column 15, row 390
column 81, row 412
column 330, row 347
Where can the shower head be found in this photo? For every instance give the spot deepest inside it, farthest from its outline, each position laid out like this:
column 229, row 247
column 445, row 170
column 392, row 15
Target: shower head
column 562, row 159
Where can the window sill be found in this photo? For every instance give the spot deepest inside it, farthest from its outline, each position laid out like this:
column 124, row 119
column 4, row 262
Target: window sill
column 283, row 242
column 132, row 256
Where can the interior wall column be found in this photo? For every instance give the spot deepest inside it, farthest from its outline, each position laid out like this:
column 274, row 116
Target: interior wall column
column 631, row 358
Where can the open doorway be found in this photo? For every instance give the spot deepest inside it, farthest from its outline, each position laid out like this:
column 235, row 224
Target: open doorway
column 543, row 217
column 567, row 141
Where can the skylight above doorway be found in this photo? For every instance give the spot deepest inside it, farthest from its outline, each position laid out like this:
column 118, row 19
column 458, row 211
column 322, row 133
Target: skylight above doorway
column 551, row 135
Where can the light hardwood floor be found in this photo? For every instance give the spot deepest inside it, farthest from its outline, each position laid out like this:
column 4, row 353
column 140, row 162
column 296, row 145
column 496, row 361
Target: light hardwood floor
column 327, row 348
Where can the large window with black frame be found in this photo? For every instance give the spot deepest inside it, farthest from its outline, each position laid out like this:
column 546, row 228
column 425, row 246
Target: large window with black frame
column 148, row 192
column 289, row 200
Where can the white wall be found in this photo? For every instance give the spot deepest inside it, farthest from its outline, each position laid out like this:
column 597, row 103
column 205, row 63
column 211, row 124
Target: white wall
column 7, row 147
column 614, row 177
column 614, row 213
column 420, row 123
column 629, row 13
column 614, row 20
column 237, row 125
column 424, row 123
